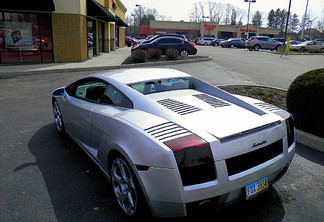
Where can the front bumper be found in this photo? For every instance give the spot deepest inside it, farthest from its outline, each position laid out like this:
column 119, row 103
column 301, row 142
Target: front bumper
column 193, row 51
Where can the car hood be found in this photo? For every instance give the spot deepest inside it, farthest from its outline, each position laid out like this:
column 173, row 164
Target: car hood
column 200, row 112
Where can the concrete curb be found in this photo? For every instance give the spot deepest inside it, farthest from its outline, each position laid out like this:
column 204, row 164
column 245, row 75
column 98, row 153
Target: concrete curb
column 8, row 75
column 310, row 140
column 296, row 54
column 302, row 137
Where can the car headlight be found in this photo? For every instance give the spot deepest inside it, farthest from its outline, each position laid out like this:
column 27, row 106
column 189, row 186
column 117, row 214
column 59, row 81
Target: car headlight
column 290, row 130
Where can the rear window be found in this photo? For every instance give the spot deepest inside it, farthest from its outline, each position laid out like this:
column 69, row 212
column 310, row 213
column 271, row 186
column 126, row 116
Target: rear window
column 162, row 85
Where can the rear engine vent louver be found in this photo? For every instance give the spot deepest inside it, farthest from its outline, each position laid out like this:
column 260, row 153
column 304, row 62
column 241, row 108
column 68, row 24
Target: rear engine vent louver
column 178, row 107
column 211, row 100
column 268, row 107
column 167, row 131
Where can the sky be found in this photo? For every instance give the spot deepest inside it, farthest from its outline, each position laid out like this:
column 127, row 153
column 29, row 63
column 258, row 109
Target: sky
column 180, row 9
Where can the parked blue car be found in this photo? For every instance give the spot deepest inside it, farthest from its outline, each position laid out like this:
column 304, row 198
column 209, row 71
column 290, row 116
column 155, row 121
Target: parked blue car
column 216, row 42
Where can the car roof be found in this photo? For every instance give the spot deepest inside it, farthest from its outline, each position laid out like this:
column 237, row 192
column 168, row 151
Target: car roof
column 266, row 37
column 129, row 76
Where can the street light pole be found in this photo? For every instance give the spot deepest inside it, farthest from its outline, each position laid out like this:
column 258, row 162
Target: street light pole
column 139, row 27
column 134, row 23
column 304, row 21
column 247, row 24
column 205, row 17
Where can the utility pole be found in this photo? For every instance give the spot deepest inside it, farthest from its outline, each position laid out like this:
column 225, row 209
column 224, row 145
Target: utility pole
column 287, row 22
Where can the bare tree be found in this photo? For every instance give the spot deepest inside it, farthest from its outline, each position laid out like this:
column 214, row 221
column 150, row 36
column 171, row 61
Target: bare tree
column 240, row 15
column 195, row 13
column 218, row 12
column 320, row 22
column 228, row 10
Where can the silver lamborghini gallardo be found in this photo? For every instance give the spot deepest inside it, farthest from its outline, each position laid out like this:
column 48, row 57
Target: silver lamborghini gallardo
column 172, row 143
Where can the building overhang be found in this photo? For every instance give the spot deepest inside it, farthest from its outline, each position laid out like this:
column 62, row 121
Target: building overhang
column 30, row 5
column 96, row 10
column 120, row 22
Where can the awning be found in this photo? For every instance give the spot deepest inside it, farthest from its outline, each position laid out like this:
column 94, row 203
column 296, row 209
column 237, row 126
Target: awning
column 94, row 9
column 120, row 22
column 30, row 5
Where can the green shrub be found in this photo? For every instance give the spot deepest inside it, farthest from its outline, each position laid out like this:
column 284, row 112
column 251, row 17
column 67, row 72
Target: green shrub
column 154, row 53
column 139, row 56
column 305, row 101
column 172, row 53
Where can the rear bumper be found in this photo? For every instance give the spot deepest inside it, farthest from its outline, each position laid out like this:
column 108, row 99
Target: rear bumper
column 168, row 198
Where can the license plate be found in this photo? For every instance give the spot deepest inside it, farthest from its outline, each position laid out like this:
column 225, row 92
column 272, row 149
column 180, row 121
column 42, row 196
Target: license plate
column 256, row 188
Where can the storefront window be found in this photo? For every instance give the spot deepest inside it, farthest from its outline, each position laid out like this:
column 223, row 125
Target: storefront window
column 25, row 37
column 91, row 31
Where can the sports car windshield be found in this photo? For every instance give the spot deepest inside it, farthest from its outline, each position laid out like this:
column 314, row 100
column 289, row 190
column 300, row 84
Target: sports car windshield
column 162, row 85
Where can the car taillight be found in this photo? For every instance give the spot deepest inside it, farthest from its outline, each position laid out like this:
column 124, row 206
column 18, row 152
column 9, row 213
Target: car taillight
column 290, row 130
column 185, row 142
column 252, row 41
column 193, row 45
column 226, row 42
column 194, row 158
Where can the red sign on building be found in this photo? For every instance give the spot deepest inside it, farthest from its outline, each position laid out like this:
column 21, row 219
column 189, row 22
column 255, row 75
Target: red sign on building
column 210, row 27
column 250, row 30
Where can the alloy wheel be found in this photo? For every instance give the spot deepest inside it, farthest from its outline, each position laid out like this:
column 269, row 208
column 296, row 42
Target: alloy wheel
column 124, row 186
column 58, row 117
column 184, row 53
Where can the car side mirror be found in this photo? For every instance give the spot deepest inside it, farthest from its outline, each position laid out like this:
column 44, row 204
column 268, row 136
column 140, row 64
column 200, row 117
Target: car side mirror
column 58, row 92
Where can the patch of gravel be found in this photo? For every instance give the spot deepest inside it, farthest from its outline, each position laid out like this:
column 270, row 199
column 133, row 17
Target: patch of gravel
column 276, row 97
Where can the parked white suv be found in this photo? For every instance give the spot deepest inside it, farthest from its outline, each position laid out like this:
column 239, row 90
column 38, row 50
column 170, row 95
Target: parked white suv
column 205, row 40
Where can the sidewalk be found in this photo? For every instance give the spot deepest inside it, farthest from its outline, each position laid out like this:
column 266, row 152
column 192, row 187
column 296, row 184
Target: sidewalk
column 101, row 62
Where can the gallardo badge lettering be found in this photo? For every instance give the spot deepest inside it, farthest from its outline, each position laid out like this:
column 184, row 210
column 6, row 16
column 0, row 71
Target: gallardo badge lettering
column 259, row 144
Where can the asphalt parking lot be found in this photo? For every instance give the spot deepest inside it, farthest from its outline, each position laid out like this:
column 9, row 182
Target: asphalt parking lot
column 46, row 177
column 241, row 66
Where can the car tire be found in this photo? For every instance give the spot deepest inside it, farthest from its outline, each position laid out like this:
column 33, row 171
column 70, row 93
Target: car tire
column 278, row 48
column 322, row 49
column 126, row 189
column 232, row 46
column 256, row 48
column 58, row 118
column 184, row 53
column 205, row 44
column 250, row 49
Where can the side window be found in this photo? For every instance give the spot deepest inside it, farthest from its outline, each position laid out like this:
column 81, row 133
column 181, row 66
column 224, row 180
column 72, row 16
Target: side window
column 88, row 89
column 174, row 40
column 163, row 40
column 113, row 96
